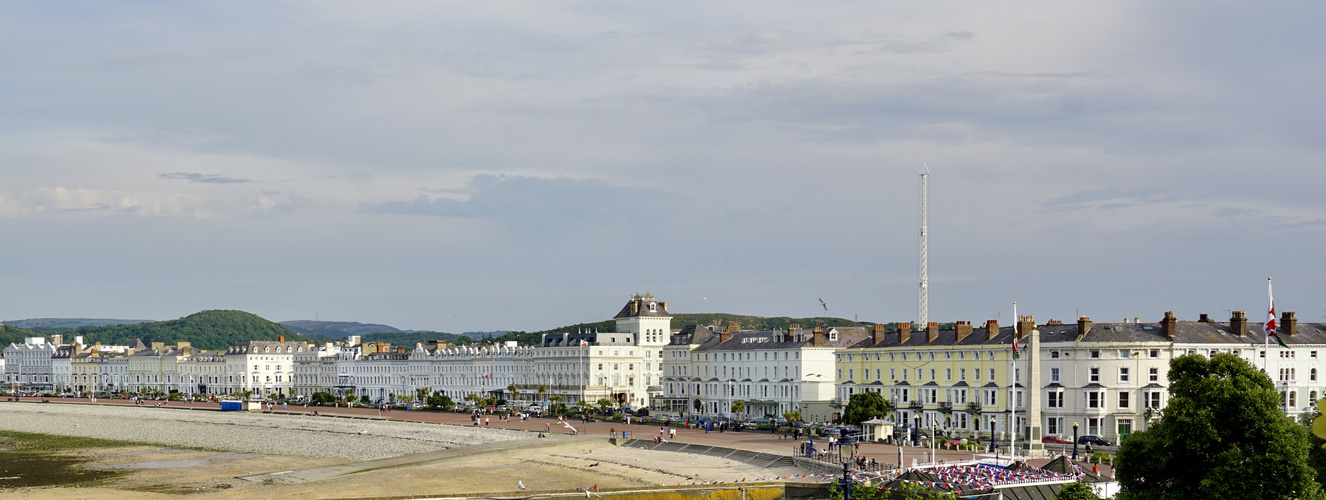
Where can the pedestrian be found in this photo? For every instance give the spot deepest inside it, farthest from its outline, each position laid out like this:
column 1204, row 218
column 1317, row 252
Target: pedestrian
column 546, row 428
column 612, row 432
column 486, row 421
column 672, row 433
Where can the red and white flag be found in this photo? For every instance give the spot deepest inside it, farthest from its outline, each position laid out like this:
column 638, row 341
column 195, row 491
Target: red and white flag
column 1271, row 330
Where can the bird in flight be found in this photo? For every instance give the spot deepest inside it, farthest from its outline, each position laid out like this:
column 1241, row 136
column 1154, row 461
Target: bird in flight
column 826, row 306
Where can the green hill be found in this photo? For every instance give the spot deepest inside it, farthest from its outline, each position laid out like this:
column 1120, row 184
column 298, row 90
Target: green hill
column 10, row 334
column 210, row 330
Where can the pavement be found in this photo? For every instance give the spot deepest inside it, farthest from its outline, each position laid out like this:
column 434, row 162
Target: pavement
column 761, row 441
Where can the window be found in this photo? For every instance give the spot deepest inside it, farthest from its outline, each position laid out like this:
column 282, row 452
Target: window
column 1152, row 399
column 948, row 355
column 1094, row 374
column 1123, row 400
column 1312, row 375
column 1094, row 425
column 1153, row 374
column 1054, row 354
column 977, row 373
column 1095, row 354
column 962, row 374
column 1123, row 374
column 1124, row 354
column 1055, row 399
column 990, row 397
column 1054, row 425
column 1095, row 400
column 992, row 374
column 1154, row 353
column 932, row 374
column 893, row 375
column 948, row 374
column 1054, row 374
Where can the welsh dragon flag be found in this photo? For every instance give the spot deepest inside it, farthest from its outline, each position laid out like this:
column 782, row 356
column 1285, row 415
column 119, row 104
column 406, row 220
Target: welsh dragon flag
column 1271, row 330
column 1015, row 342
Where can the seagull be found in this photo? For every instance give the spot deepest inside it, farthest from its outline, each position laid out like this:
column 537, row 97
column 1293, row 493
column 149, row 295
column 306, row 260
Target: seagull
column 363, row 431
column 826, row 306
column 520, row 484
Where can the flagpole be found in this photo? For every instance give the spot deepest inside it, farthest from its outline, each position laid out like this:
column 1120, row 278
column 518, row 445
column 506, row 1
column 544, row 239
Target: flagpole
column 1013, row 392
column 1266, row 342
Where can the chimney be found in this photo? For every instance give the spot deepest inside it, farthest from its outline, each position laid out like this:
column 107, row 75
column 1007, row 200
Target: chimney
column 1026, row 323
column 57, row 339
column 818, row 339
column 635, row 307
column 280, row 338
column 1203, row 318
column 991, row 329
column 1239, row 323
column 877, row 335
column 1167, row 324
column 663, row 305
column 904, row 333
column 1083, row 327
column 158, row 345
column 726, row 332
column 1053, row 322
column 182, row 344
column 963, row 329
column 931, row 332
column 78, row 339
column 1288, row 323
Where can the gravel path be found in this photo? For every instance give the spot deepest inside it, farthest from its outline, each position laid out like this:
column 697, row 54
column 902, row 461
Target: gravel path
column 267, row 434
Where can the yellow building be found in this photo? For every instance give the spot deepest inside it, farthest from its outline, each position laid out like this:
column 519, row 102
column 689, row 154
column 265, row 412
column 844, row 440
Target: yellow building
column 958, row 379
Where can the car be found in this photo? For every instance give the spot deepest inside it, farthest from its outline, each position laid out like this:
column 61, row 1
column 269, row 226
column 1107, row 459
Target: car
column 1093, row 440
column 1055, row 439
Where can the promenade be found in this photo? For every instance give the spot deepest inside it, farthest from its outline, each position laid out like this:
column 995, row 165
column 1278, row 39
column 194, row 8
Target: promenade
column 760, row 441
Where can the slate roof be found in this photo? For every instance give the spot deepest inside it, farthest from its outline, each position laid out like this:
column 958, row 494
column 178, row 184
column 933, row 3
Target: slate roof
column 692, row 335
column 760, row 340
column 642, row 308
column 1185, row 332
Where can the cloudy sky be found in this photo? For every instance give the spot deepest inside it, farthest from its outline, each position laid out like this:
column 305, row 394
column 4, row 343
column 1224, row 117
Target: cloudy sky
column 507, row 165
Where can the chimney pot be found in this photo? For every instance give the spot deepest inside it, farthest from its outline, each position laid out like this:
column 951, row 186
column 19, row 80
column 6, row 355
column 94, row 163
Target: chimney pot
column 931, row 332
column 1238, row 322
column 904, row 333
column 991, row 329
column 877, row 335
column 1203, row 318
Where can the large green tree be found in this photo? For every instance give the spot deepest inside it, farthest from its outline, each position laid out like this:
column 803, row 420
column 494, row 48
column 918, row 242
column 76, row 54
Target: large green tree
column 1221, row 436
column 864, row 406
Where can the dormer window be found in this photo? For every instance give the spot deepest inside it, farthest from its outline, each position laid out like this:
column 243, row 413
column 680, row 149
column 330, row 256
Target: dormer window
column 653, row 307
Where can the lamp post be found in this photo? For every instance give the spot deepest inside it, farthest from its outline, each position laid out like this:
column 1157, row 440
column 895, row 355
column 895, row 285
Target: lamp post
column 992, row 427
column 1074, row 440
column 916, row 430
column 845, row 440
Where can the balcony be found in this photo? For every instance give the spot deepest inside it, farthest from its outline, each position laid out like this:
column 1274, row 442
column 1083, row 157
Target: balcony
column 915, row 405
column 946, row 407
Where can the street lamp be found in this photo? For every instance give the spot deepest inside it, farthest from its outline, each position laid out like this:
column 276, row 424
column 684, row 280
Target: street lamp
column 992, row 427
column 916, row 430
column 846, row 440
column 1074, row 440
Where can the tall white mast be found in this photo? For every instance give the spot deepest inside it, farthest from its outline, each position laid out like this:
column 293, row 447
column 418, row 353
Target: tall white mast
column 923, row 306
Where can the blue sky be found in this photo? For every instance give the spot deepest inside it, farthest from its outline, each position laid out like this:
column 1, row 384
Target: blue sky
column 523, row 165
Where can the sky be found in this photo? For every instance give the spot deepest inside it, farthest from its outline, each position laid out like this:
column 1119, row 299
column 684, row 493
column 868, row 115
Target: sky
column 478, row 166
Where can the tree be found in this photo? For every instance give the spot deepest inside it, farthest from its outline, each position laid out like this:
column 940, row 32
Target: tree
column 698, row 405
column 738, row 406
column 514, row 392
column 543, row 389
column 1076, row 491
column 792, row 417
column 1221, row 436
column 864, row 406
column 557, row 406
column 604, row 404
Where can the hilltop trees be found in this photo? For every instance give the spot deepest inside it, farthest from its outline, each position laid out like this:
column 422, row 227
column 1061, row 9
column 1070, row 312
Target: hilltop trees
column 1221, row 436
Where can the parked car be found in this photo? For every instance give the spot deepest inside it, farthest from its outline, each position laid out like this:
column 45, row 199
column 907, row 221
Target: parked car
column 1093, row 440
column 1055, row 439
